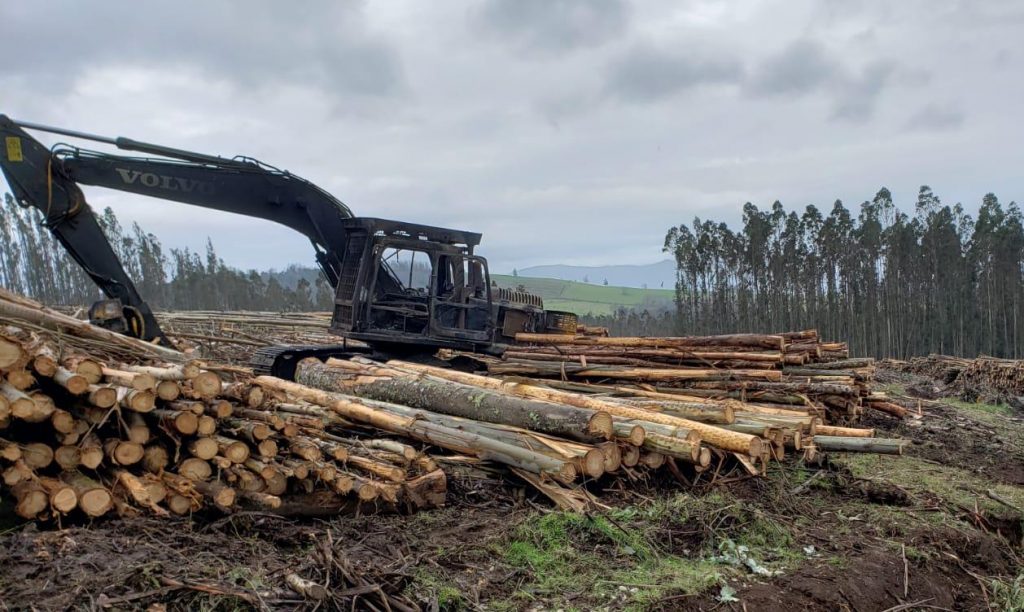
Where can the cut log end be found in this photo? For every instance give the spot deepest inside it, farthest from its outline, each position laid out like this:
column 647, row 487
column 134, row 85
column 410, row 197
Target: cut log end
column 601, row 425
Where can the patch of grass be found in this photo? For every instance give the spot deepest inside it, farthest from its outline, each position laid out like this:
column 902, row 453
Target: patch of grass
column 769, row 541
column 435, row 587
column 588, row 298
column 1008, row 596
column 614, row 559
column 922, row 478
column 994, row 415
column 219, row 603
column 894, row 389
column 649, row 583
column 542, row 546
column 244, row 576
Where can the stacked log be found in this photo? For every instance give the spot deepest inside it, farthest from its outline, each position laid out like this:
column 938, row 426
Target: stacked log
column 86, row 436
column 98, row 426
column 687, row 429
column 987, row 379
column 787, row 371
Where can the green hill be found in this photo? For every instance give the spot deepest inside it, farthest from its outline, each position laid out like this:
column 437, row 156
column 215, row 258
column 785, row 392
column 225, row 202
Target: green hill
column 586, row 298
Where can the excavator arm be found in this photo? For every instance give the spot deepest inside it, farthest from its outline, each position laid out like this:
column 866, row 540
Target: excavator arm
column 48, row 179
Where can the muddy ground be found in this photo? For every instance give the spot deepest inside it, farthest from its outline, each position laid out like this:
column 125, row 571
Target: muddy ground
column 937, row 529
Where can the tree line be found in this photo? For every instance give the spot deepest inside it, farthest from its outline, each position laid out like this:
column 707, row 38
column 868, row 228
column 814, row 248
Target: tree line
column 33, row 263
column 892, row 284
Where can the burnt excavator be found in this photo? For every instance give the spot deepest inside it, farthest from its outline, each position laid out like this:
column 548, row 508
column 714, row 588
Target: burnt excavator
column 400, row 288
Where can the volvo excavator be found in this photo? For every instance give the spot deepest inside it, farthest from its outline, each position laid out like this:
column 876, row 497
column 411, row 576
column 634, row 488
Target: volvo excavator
column 400, row 288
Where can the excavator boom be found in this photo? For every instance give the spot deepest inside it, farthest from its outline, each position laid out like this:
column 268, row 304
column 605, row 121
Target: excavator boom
column 48, row 181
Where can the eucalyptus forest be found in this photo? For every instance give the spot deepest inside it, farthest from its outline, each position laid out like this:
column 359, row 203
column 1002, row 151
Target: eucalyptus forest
column 894, row 283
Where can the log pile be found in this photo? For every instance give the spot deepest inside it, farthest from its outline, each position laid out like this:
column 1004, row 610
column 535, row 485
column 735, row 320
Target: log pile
column 983, row 379
column 232, row 337
column 647, row 428
column 794, row 371
column 84, row 437
column 94, row 425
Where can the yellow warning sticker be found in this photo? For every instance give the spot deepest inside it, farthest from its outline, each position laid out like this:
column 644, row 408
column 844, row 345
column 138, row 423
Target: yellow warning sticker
column 14, row 149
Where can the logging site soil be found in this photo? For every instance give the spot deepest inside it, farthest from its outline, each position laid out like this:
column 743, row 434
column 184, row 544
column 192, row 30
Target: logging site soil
column 937, row 528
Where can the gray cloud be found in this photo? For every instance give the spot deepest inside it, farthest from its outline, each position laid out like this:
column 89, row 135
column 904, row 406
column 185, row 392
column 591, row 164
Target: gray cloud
column 801, row 67
column 855, row 99
column 545, row 26
column 934, row 118
column 806, row 67
column 645, row 73
column 255, row 44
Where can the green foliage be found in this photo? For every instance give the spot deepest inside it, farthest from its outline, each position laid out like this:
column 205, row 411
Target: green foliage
column 621, row 553
column 892, row 284
column 34, row 264
column 928, row 479
column 982, row 410
column 427, row 584
column 1008, row 595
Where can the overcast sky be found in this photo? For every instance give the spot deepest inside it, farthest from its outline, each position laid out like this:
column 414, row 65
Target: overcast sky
column 567, row 131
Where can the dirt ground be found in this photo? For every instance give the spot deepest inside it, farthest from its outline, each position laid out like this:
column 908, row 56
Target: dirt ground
column 940, row 528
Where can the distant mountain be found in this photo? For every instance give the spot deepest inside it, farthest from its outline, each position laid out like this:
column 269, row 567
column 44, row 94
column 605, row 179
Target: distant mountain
column 660, row 275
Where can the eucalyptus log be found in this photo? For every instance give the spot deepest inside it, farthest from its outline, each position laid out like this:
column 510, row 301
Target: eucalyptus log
column 62, row 421
column 845, row 432
column 62, row 497
column 889, row 408
column 175, row 372
column 9, row 451
column 538, row 368
column 75, row 383
column 22, row 406
column 123, row 452
column 67, row 457
column 92, row 451
column 673, row 447
column 155, row 458
column 194, row 468
column 177, row 421
column 102, row 396
column 168, row 390
column 11, row 353
column 138, row 491
column 751, row 340
column 206, row 425
column 36, row 455
column 21, row 379
column 132, row 380
column 136, row 400
column 462, row 400
column 234, row 450
column 32, row 499
column 91, row 369
column 445, row 437
column 93, row 498
column 713, row 435
column 203, row 448
column 882, row 446
column 630, row 432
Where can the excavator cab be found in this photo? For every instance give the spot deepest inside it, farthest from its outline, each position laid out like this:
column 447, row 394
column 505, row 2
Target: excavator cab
column 413, row 285
column 405, row 286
